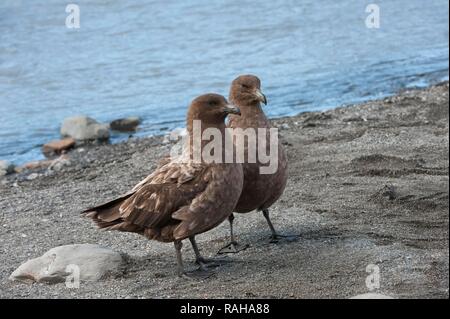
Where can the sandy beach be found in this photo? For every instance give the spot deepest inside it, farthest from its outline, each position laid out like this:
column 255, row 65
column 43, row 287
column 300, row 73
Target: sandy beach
column 368, row 185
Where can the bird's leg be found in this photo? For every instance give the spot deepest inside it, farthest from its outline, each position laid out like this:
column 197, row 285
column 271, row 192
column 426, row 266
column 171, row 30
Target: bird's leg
column 204, row 263
column 180, row 268
column 275, row 237
column 197, row 274
column 233, row 246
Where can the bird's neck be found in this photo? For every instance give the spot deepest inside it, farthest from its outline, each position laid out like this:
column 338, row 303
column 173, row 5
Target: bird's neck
column 251, row 113
column 202, row 137
column 248, row 108
column 197, row 128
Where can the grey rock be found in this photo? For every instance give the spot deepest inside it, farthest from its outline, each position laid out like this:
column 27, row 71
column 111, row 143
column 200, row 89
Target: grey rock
column 32, row 176
column 59, row 163
column 84, row 128
column 91, row 262
column 125, row 125
column 6, row 168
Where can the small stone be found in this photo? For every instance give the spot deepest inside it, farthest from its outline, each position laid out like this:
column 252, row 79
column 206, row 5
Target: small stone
column 389, row 191
column 285, row 126
column 125, row 125
column 32, row 176
column 353, row 119
column 6, row 168
column 36, row 165
column 59, row 163
column 58, row 147
column 18, row 169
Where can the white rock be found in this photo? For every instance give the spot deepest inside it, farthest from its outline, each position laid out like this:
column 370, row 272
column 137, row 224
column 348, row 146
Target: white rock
column 94, row 263
column 84, row 128
column 6, row 168
column 59, row 163
column 32, row 176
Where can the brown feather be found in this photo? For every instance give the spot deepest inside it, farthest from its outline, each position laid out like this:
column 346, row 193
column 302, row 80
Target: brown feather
column 180, row 198
column 260, row 191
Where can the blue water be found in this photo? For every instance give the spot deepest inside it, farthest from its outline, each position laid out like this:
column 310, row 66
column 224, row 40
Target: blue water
column 151, row 58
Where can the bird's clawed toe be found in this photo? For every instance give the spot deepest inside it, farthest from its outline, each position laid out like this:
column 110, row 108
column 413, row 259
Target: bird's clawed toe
column 212, row 262
column 232, row 248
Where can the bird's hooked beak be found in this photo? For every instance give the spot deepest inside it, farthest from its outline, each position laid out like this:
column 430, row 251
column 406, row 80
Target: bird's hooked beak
column 260, row 96
column 231, row 109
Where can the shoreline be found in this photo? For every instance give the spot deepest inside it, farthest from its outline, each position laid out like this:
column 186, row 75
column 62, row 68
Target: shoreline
column 118, row 137
column 368, row 185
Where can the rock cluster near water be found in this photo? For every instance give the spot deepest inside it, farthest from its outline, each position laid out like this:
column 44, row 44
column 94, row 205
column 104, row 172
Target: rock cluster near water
column 75, row 131
column 84, row 128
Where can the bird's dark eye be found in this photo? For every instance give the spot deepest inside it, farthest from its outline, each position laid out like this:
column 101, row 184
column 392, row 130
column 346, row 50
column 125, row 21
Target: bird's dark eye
column 245, row 86
column 212, row 102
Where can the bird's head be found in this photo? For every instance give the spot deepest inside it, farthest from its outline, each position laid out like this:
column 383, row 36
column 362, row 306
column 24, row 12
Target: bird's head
column 210, row 109
column 246, row 89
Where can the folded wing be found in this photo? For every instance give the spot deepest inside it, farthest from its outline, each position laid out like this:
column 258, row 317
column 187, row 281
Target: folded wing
column 174, row 202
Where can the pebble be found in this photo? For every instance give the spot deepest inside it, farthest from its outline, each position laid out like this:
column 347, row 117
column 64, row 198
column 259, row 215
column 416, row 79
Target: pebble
column 32, row 176
column 6, row 168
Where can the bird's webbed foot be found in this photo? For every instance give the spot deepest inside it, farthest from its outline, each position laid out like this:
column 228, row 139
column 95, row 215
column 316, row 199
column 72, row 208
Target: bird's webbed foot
column 232, row 247
column 279, row 238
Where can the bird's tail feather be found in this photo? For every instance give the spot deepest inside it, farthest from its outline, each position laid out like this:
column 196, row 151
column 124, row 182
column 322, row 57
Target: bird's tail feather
column 106, row 215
